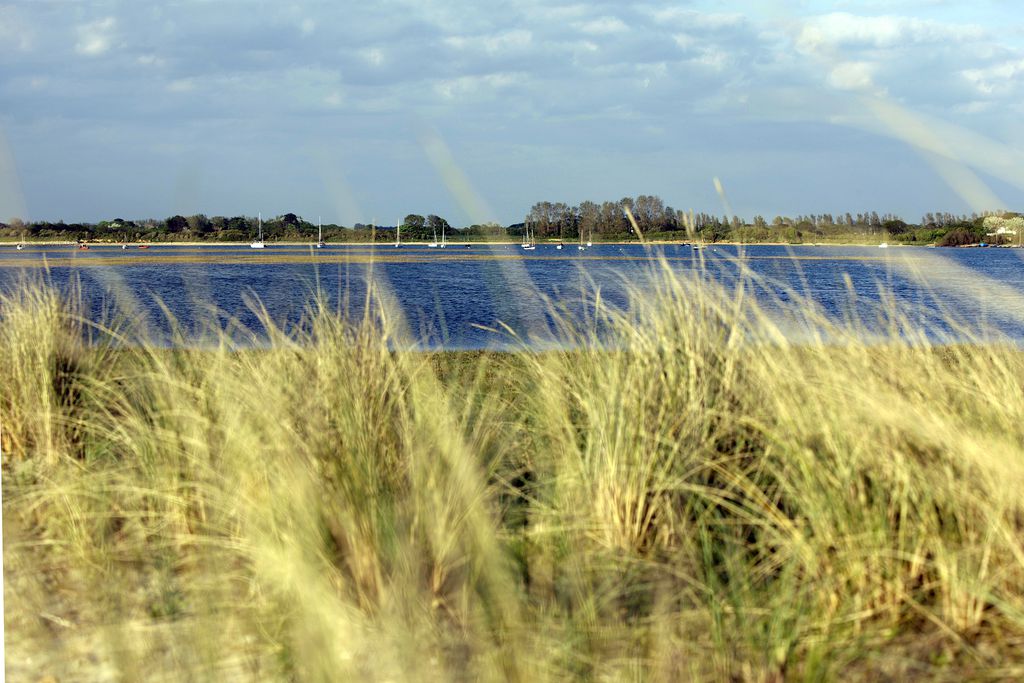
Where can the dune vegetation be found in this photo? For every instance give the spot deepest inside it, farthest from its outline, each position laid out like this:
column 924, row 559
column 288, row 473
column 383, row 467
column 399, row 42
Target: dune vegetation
column 701, row 496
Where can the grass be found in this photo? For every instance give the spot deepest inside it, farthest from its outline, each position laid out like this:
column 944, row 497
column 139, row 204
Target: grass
column 698, row 498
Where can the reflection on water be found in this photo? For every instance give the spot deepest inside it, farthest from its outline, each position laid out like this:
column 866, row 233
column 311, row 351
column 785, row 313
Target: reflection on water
column 456, row 297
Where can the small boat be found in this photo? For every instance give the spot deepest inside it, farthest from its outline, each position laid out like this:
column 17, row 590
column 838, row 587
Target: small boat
column 433, row 245
column 528, row 244
column 558, row 246
column 83, row 247
column 883, row 245
column 20, row 246
column 258, row 242
column 143, row 246
column 320, row 234
column 123, row 247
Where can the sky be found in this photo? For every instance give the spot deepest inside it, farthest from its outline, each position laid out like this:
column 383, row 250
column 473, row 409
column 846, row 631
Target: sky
column 475, row 110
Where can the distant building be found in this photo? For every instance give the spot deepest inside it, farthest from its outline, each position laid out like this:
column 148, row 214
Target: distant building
column 1003, row 225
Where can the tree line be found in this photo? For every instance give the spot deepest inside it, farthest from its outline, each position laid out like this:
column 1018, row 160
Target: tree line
column 199, row 227
column 609, row 221
column 603, row 221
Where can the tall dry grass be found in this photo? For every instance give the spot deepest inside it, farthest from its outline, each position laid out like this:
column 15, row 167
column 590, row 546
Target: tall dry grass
column 696, row 497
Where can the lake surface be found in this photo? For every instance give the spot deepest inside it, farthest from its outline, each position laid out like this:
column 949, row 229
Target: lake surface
column 456, row 297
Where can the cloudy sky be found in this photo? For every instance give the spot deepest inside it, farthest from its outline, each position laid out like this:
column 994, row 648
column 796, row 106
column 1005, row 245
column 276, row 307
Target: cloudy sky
column 475, row 110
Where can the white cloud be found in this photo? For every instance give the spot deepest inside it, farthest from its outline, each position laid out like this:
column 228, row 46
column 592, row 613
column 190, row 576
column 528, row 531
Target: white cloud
column 684, row 40
column 852, row 76
column 494, row 43
column 998, row 79
column 96, row 37
column 373, row 56
column 841, row 29
column 713, row 58
column 603, row 26
column 471, row 85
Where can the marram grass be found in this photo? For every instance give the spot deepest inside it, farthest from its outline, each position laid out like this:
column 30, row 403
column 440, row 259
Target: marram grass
column 697, row 498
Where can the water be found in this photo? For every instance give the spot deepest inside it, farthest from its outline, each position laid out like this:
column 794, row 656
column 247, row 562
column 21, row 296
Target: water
column 457, row 297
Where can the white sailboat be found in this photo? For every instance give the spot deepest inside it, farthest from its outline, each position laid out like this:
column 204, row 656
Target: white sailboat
column 444, row 240
column 528, row 244
column 319, row 234
column 398, row 235
column 581, row 247
column 258, row 242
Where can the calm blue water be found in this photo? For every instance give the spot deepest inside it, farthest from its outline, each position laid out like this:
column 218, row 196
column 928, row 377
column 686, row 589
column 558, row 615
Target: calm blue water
column 454, row 298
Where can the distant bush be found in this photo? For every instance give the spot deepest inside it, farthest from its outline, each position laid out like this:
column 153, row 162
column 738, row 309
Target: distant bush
column 958, row 238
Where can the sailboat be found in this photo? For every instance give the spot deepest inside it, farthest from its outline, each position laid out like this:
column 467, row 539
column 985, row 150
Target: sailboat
column 527, row 242
column 398, row 235
column 590, row 240
column 581, row 247
column 319, row 234
column 258, row 242
column 444, row 240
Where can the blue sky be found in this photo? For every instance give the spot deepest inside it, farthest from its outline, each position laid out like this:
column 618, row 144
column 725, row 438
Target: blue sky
column 475, row 110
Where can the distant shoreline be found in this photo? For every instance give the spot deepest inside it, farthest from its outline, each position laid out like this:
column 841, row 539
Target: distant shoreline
column 312, row 245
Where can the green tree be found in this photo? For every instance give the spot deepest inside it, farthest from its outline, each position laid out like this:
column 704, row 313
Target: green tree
column 437, row 224
column 176, row 224
column 198, row 224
